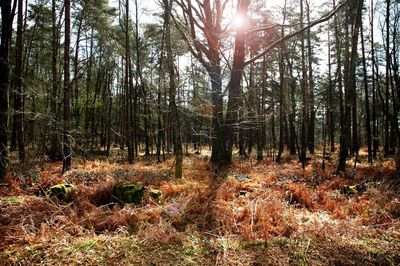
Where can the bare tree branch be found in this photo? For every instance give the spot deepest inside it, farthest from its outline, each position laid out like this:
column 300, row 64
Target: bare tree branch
column 289, row 36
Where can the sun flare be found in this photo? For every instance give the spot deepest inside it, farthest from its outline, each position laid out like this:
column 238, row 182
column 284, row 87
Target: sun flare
column 238, row 21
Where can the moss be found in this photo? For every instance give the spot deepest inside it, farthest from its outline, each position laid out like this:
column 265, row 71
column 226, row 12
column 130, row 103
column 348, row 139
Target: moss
column 301, row 258
column 10, row 200
column 155, row 194
column 129, row 193
column 61, row 191
column 86, row 245
column 255, row 245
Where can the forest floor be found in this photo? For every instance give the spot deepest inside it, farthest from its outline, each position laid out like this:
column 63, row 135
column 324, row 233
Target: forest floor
column 248, row 214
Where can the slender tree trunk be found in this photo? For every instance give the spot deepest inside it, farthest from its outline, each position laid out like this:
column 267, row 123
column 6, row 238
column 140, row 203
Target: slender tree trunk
column 311, row 131
column 67, row 156
column 217, row 153
column 251, row 111
column 367, row 115
column 375, row 141
column 76, row 109
column 261, row 114
column 387, row 148
column 353, row 87
column 141, row 83
column 109, row 115
column 241, row 129
column 172, row 91
column 18, row 116
column 259, row 124
column 350, row 85
column 128, row 94
column 273, row 133
column 339, row 66
column 330, row 111
column 396, row 88
column 161, row 77
column 303, row 85
column 292, row 113
column 282, row 112
column 54, row 152
column 89, row 85
column 324, row 126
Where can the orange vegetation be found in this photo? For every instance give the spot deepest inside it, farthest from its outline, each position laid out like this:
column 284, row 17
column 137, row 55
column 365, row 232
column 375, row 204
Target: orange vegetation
column 249, row 201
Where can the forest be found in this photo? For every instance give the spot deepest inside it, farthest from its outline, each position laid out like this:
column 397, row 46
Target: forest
column 200, row 132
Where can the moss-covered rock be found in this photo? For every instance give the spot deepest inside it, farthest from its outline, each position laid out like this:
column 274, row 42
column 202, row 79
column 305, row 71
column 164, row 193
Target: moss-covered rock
column 348, row 190
column 129, row 193
column 351, row 190
column 155, row 194
column 61, row 191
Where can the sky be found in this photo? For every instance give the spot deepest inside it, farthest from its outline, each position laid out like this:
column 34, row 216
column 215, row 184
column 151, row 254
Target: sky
column 147, row 9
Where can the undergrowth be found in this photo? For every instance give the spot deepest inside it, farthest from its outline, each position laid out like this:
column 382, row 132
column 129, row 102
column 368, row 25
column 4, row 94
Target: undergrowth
column 249, row 208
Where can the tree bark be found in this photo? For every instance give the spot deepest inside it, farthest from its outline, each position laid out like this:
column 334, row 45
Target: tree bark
column 67, row 156
column 175, row 120
column 303, row 85
column 234, row 85
column 54, row 152
column 311, row 133
column 350, row 86
column 330, row 109
column 282, row 113
column 367, row 115
column 128, row 89
column 18, row 110
column 6, row 30
column 375, row 140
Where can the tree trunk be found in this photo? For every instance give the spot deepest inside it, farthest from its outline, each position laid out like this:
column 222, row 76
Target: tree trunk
column 261, row 114
column 67, row 156
column 128, row 93
column 175, row 120
column 234, row 84
column 367, row 116
column 330, row 111
column 303, row 85
column 311, row 131
column 6, row 30
column 251, row 112
column 54, row 152
column 350, row 85
column 282, row 113
column 375, row 141
column 338, row 47
column 18, row 115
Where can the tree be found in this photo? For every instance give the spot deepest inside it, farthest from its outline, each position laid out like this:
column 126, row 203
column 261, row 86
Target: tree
column 7, row 15
column 54, row 151
column 355, row 13
column 67, row 152
column 175, row 120
column 282, row 88
column 128, row 87
column 311, row 133
column 18, row 111
column 305, row 103
column 208, row 53
column 368, row 115
column 235, row 82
